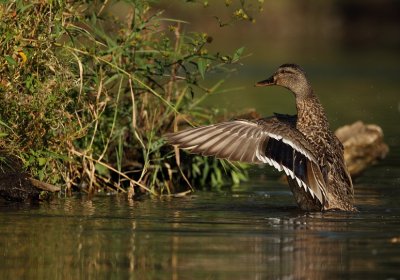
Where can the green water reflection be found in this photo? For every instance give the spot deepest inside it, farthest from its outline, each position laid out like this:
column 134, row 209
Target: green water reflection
column 350, row 87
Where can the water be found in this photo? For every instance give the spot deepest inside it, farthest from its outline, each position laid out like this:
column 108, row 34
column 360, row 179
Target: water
column 254, row 231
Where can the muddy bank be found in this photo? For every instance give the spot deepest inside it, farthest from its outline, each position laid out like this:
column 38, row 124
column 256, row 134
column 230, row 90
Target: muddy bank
column 15, row 184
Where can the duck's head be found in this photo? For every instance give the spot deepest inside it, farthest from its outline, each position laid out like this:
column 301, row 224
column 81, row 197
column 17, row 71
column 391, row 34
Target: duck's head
column 290, row 76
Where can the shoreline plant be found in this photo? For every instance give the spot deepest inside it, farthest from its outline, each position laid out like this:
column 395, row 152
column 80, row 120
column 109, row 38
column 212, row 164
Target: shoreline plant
column 86, row 95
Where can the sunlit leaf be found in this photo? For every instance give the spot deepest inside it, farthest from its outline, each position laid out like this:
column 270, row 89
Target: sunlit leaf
column 238, row 53
column 41, row 161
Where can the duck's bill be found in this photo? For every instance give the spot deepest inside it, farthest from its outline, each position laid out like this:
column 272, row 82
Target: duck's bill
column 268, row 82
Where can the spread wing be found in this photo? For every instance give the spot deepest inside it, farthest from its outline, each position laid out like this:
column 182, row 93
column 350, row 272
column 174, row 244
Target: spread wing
column 270, row 140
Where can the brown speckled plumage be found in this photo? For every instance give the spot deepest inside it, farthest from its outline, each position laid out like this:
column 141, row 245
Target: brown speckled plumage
column 304, row 147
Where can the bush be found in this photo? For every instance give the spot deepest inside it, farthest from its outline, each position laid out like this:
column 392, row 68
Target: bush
column 86, row 95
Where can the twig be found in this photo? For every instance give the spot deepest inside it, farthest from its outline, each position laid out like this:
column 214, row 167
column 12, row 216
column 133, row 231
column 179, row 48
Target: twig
column 44, row 186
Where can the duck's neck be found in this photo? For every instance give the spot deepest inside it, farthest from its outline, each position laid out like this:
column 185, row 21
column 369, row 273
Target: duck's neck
column 310, row 114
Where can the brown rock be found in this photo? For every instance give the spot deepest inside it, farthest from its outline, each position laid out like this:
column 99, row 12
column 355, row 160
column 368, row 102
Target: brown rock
column 363, row 145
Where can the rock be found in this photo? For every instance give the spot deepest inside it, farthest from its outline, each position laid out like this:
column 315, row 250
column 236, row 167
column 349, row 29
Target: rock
column 363, row 145
column 14, row 183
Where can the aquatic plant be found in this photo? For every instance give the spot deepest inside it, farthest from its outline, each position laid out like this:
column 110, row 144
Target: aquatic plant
column 86, row 94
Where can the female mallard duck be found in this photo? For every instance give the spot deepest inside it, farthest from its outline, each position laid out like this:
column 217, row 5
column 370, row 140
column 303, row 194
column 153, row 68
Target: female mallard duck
column 302, row 146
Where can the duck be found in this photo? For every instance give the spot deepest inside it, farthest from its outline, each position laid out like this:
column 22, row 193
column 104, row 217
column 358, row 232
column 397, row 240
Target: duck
column 302, row 146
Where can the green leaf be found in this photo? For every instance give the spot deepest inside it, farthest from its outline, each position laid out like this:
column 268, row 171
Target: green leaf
column 237, row 54
column 4, row 124
column 41, row 175
column 218, row 175
column 42, row 161
column 3, row 134
column 235, row 178
column 206, row 170
column 10, row 60
column 101, row 169
column 195, row 170
column 202, row 66
column 22, row 7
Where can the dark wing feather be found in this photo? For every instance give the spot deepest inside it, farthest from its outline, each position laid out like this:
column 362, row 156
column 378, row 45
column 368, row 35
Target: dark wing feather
column 269, row 140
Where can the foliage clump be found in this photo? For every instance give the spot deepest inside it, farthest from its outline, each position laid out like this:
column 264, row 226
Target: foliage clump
column 87, row 91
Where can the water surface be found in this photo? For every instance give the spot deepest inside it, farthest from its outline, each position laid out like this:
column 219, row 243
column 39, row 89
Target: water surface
column 253, row 231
